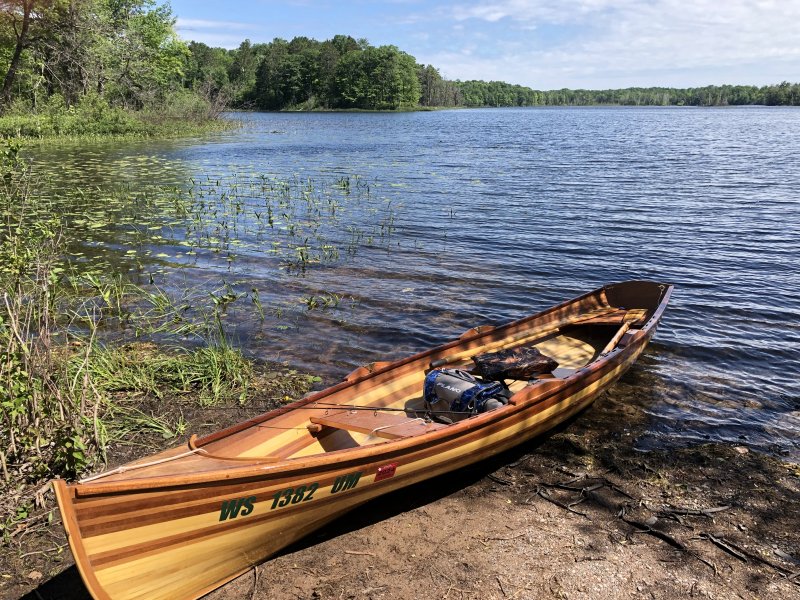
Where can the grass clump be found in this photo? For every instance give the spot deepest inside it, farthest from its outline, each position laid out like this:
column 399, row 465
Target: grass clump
column 40, row 426
column 214, row 373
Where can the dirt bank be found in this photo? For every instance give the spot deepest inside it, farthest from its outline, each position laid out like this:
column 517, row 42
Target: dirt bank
column 579, row 514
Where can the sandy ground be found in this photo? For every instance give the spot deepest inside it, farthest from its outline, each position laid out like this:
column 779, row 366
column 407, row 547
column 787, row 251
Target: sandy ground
column 577, row 515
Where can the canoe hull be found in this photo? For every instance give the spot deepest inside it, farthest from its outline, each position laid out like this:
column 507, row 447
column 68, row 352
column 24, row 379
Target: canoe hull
column 182, row 541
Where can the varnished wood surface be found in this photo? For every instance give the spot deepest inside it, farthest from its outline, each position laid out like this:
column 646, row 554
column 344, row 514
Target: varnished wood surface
column 180, row 523
column 386, row 425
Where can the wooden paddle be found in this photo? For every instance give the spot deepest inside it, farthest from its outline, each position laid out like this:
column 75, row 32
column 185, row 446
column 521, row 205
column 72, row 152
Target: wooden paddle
column 628, row 320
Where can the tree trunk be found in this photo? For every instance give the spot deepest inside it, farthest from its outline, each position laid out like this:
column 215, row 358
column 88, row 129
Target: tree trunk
column 22, row 38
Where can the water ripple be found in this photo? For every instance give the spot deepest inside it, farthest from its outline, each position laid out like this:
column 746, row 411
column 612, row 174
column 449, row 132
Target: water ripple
column 504, row 212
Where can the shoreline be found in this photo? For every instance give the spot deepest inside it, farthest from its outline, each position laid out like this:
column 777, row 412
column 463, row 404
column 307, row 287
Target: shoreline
column 176, row 130
column 564, row 516
column 532, row 106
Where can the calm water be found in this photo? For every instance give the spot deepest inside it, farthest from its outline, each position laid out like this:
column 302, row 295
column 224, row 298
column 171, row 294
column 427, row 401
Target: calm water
column 499, row 213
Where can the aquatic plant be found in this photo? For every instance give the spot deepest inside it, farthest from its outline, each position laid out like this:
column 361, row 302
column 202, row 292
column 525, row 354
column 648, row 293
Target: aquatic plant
column 90, row 276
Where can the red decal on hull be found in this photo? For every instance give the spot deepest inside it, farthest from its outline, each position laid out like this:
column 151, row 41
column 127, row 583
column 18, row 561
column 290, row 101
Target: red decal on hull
column 385, row 471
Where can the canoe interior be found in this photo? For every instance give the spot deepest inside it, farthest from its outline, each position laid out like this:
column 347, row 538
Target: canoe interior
column 386, row 405
column 572, row 349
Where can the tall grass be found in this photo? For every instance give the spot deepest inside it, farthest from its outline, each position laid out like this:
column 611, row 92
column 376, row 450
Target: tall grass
column 43, row 421
column 63, row 392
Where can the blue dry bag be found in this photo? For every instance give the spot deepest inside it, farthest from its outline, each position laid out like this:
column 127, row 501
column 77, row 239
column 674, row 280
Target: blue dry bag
column 451, row 395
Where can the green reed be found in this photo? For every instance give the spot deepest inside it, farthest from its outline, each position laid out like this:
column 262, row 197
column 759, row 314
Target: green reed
column 89, row 276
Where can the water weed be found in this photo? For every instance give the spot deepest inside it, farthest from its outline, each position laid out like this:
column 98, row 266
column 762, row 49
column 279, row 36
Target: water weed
column 105, row 326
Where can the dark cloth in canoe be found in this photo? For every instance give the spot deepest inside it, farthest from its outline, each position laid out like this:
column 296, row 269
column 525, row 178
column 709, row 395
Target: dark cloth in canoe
column 514, row 363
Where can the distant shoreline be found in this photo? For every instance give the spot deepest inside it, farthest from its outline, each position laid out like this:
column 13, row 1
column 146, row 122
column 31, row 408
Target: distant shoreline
column 459, row 108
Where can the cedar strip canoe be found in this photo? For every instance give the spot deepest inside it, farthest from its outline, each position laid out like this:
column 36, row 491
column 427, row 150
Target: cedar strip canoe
column 183, row 522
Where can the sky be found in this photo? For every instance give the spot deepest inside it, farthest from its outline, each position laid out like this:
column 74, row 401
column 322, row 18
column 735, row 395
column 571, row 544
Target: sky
column 543, row 44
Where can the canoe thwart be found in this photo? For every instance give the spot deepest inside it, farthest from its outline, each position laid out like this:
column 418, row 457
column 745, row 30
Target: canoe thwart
column 617, row 317
column 389, row 426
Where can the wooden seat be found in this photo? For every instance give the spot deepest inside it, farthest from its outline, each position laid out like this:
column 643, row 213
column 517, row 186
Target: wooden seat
column 385, row 425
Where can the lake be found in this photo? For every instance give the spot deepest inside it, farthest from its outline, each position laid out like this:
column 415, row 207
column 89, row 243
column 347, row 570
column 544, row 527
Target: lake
column 370, row 236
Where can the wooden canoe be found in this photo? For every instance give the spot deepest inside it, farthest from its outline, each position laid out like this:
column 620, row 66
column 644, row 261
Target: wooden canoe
column 180, row 523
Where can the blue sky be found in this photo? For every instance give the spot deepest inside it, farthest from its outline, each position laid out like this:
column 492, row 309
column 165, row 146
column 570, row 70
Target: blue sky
column 544, row 44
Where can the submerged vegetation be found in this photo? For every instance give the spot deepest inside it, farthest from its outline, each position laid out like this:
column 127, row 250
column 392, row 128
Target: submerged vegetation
column 89, row 277
column 58, row 380
column 101, row 340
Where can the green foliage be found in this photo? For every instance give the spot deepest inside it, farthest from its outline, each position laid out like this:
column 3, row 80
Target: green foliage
column 343, row 73
column 93, row 115
column 60, row 394
column 91, row 67
column 307, row 74
column 103, row 67
column 71, row 456
column 83, row 67
column 496, row 93
column 211, row 69
column 435, row 90
column 377, row 78
column 712, row 95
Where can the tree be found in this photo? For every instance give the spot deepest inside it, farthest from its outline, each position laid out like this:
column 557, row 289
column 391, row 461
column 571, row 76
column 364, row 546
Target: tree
column 125, row 51
column 208, row 69
column 21, row 15
column 72, row 53
column 242, row 71
column 269, row 92
column 147, row 57
column 377, row 78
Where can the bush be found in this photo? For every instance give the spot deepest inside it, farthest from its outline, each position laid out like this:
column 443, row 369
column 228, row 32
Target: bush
column 94, row 116
column 182, row 105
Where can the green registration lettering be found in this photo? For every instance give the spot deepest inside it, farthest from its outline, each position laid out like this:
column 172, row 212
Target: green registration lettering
column 345, row 482
column 302, row 493
column 236, row 507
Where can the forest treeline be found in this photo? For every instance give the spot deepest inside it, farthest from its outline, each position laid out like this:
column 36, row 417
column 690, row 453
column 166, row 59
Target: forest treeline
column 118, row 66
column 347, row 73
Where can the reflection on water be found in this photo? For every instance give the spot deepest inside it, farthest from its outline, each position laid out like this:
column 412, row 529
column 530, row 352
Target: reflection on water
column 483, row 216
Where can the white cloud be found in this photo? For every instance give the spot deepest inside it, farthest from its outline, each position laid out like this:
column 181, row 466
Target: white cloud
column 549, row 11
column 225, row 34
column 196, row 24
column 638, row 42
